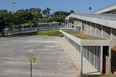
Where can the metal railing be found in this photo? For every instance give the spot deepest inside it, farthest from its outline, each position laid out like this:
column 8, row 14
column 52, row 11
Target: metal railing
column 17, row 31
column 25, row 30
column 50, row 28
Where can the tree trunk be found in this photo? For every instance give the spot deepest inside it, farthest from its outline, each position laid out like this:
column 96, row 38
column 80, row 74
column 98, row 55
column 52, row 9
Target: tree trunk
column 30, row 68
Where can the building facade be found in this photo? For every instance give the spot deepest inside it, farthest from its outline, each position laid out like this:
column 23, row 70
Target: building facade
column 102, row 24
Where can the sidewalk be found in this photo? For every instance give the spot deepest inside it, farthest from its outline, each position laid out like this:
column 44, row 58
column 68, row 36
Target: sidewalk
column 75, row 56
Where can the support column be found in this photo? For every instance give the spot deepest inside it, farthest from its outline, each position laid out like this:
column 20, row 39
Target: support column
column 111, row 34
column 94, row 55
column 89, row 53
column 95, row 30
column 49, row 25
column 57, row 23
column 102, row 31
column 81, row 60
column 52, row 24
column 85, row 27
column 109, row 67
column 101, row 62
column 81, row 25
column 67, row 23
column 90, row 28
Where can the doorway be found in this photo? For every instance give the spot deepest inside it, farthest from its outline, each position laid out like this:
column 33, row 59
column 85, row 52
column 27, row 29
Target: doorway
column 105, row 58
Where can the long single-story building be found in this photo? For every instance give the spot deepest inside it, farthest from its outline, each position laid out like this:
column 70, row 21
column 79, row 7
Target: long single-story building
column 102, row 24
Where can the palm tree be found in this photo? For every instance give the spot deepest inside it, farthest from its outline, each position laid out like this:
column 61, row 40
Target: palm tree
column 48, row 11
column 71, row 11
column 90, row 8
column 44, row 12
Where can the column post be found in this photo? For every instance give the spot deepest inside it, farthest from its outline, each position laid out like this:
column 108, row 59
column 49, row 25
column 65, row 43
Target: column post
column 67, row 23
column 109, row 69
column 101, row 62
column 81, row 25
column 81, row 60
column 101, row 31
column 90, row 28
column 85, row 28
column 95, row 30
column 94, row 55
column 57, row 23
column 110, row 33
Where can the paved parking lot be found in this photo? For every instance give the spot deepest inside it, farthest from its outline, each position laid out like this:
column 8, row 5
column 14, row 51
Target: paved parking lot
column 52, row 61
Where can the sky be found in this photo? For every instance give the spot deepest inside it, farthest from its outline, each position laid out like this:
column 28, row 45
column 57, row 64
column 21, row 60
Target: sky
column 79, row 6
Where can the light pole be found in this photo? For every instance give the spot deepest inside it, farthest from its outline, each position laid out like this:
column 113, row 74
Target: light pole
column 14, row 6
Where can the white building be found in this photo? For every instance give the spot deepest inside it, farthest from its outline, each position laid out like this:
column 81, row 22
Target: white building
column 101, row 23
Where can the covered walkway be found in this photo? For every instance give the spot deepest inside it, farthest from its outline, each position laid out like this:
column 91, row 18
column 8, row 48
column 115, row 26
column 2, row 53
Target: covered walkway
column 75, row 56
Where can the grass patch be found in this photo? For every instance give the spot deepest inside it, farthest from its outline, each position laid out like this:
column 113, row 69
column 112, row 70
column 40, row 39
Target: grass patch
column 80, row 35
column 44, row 33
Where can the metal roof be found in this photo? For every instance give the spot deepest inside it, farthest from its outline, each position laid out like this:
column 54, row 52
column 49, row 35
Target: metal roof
column 106, row 9
column 108, row 20
column 101, row 16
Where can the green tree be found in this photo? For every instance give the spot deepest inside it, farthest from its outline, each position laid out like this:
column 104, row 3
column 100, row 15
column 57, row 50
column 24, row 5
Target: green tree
column 59, row 16
column 71, row 11
column 11, row 20
column 4, row 20
column 44, row 12
column 48, row 11
column 90, row 8
column 31, row 59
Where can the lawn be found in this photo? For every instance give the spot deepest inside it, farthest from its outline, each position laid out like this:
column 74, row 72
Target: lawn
column 44, row 33
column 80, row 35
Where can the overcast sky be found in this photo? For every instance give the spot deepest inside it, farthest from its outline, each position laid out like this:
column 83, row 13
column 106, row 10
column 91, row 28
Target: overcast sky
column 79, row 6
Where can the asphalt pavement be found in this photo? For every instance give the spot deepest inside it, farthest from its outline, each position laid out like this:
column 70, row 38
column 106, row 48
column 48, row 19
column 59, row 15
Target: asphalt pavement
column 52, row 61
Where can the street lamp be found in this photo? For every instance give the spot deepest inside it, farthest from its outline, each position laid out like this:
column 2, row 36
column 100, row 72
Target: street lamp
column 14, row 6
